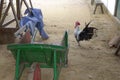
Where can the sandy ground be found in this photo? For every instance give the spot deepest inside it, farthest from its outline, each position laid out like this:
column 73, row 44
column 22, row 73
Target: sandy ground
column 94, row 60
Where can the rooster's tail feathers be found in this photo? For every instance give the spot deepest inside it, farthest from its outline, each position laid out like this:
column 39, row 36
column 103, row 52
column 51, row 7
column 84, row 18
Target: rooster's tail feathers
column 86, row 25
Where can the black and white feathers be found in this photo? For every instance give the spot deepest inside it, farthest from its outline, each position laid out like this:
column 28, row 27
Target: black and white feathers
column 85, row 34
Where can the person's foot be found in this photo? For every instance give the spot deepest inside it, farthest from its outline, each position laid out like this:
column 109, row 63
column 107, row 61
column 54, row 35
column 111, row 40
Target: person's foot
column 45, row 38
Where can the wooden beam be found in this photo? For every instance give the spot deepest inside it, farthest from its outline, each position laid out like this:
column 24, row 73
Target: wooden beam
column 27, row 5
column 4, row 15
column 9, row 22
column 13, row 10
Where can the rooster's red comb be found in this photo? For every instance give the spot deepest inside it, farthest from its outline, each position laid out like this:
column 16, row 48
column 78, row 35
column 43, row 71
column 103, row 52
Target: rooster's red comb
column 77, row 23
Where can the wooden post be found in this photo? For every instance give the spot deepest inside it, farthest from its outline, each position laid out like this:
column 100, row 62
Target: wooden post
column 92, row 2
column 18, row 6
column 1, row 8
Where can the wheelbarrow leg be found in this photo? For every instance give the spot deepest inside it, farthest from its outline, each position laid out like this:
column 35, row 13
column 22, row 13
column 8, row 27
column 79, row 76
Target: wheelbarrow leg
column 17, row 65
column 55, row 67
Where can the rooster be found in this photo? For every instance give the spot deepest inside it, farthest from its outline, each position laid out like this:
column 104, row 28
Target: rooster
column 85, row 34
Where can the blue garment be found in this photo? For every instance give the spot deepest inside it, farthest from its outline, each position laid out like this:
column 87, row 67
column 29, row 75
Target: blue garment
column 30, row 23
column 36, row 18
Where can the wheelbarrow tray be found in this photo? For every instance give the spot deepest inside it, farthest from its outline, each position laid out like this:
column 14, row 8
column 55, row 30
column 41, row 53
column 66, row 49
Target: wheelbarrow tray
column 42, row 53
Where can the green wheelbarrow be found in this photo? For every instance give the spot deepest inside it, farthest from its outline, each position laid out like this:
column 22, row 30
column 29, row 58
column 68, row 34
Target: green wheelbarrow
column 48, row 55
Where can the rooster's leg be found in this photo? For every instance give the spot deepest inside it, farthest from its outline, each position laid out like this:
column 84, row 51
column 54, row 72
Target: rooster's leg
column 78, row 43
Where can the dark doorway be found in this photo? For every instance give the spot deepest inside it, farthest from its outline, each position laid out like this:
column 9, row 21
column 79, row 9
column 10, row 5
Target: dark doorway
column 118, row 9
